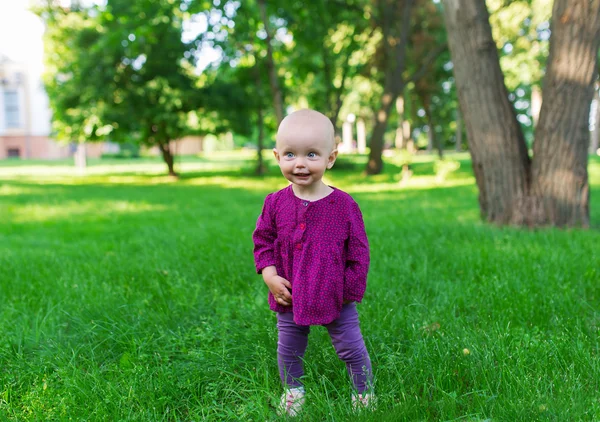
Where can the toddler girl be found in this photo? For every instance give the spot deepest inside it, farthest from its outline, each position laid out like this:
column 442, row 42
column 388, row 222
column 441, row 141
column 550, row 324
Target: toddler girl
column 311, row 248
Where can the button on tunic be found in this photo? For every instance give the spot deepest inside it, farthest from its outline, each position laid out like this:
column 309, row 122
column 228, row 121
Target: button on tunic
column 320, row 247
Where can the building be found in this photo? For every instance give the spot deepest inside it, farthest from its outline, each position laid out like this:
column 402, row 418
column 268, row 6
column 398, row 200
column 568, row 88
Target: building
column 25, row 115
column 25, row 121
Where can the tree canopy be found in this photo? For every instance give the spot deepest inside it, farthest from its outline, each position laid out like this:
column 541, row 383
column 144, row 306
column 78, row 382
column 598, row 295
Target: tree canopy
column 153, row 72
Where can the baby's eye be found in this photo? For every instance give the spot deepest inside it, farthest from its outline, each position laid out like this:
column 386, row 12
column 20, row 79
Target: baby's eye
column 289, row 155
column 311, row 155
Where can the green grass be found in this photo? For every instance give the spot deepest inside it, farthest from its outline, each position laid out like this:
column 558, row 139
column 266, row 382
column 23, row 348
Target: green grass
column 127, row 295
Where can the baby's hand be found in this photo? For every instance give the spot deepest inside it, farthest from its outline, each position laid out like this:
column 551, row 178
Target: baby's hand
column 279, row 288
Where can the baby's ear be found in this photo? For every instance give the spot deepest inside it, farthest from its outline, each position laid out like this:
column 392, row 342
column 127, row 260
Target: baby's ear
column 276, row 154
column 332, row 158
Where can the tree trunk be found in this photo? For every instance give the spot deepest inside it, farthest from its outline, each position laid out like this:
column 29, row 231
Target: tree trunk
column 559, row 173
column 459, row 130
column 165, row 150
column 499, row 154
column 273, row 78
column 430, row 140
column 260, row 168
column 375, row 163
column 260, row 165
column 393, row 86
column 338, row 100
column 436, row 141
column 553, row 189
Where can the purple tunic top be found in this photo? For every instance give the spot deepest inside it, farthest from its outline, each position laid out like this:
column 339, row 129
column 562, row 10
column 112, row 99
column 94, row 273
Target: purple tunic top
column 320, row 247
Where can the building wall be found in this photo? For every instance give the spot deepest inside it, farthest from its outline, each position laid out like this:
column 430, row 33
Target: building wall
column 31, row 138
column 27, row 136
column 35, row 147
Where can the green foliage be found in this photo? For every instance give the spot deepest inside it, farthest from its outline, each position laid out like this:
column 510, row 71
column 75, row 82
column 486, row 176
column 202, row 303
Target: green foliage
column 121, row 302
column 434, row 93
column 327, row 54
column 122, row 72
column 234, row 29
column 521, row 30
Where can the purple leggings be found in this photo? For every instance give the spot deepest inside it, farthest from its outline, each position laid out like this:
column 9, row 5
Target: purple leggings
column 345, row 337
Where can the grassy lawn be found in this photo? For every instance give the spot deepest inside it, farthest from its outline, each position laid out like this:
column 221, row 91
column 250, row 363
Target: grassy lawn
column 127, row 295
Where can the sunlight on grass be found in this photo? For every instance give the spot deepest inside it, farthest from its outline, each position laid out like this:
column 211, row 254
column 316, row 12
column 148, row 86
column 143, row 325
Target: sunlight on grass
column 375, row 185
column 228, row 182
column 8, row 190
column 417, row 182
column 127, row 167
column 69, row 209
column 131, row 295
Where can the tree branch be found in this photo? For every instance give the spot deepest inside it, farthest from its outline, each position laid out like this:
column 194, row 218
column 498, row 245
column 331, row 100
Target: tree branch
column 404, row 31
column 431, row 57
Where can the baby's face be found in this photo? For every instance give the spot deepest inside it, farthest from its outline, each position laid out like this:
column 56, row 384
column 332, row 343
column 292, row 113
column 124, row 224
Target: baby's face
column 305, row 147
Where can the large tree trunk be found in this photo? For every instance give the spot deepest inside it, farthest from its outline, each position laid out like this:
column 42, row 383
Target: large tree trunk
column 559, row 173
column 499, row 154
column 554, row 189
column 395, row 47
column 273, row 78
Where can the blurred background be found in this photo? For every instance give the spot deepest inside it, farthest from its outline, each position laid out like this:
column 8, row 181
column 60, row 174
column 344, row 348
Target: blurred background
column 221, row 74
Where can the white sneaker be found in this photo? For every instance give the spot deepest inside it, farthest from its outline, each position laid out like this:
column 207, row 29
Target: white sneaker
column 292, row 401
column 363, row 401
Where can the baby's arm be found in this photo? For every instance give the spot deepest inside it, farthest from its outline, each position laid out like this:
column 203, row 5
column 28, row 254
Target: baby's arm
column 264, row 237
column 264, row 240
column 278, row 286
column 357, row 262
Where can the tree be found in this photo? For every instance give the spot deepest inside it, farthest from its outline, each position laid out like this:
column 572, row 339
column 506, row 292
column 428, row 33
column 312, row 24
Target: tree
column 329, row 52
column 521, row 30
column 433, row 88
column 396, row 21
column 278, row 101
column 394, row 18
column 552, row 187
column 248, row 65
column 121, row 72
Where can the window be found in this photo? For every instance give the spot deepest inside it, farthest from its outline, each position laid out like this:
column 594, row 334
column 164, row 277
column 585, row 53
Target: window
column 13, row 153
column 11, row 108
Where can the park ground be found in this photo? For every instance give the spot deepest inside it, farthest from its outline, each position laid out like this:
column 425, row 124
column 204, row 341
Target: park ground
column 127, row 295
